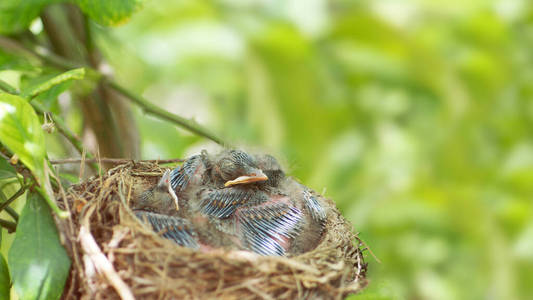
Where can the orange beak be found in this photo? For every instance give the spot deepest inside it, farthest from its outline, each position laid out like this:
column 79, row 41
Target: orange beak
column 256, row 176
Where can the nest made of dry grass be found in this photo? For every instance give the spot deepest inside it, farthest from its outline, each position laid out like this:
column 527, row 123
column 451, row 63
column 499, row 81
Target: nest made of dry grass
column 155, row 268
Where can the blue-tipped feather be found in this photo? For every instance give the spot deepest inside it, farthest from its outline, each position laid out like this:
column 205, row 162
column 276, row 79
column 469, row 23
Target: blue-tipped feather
column 180, row 176
column 314, row 207
column 222, row 203
column 176, row 229
column 265, row 227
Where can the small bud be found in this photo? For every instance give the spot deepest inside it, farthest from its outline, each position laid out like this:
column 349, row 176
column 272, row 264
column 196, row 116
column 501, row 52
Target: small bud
column 49, row 125
column 14, row 159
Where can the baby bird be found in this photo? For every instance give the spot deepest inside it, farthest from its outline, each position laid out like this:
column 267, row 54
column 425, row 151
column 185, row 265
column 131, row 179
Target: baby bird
column 161, row 198
column 234, row 200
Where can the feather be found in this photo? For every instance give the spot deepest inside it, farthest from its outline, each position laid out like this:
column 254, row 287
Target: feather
column 176, row 229
column 314, row 207
column 181, row 176
column 265, row 228
column 222, row 203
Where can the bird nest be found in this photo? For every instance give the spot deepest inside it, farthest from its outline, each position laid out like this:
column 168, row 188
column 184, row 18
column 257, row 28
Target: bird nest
column 116, row 256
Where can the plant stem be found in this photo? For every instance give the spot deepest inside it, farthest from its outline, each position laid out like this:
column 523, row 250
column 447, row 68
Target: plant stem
column 152, row 109
column 12, row 198
column 8, row 209
column 146, row 106
column 13, row 46
column 12, row 213
column 113, row 161
column 66, row 132
column 105, row 115
column 10, row 226
column 7, row 88
column 60, row 125
column 9, row 181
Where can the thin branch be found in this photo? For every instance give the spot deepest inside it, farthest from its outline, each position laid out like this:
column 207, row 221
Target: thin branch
column 15, row 47
column 59, row 123
column 108, row 117
column 115, row 161
column 2, row 196
column 48, row 57
column 66, row 132
column 12, row 198
column 145, row 105
column 10, row 226
column 7, row 88
column 10, row 181
column 53, row 59
column 102, row 264
column 369, row 250
column 152, row 109
column 2, row 155
column 12, row 213
column 8, row 209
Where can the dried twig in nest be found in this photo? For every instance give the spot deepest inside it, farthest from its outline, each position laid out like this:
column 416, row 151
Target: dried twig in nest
column 115, row 161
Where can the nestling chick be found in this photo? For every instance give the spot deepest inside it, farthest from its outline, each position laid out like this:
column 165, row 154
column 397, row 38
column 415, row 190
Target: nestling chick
column 234, row 167
column 160, row 198
column 234, row 200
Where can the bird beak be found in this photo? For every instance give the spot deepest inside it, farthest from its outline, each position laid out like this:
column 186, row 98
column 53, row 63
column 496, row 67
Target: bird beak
column 255, row 176
column 164, row 183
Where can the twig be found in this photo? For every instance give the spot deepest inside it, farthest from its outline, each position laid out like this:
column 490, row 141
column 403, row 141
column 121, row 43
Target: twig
column 12, row 198
column 8, row 209
column 10, row 181
column 54, row 59
column 369, row 250
column 14, row 47
column 102, row 264
column 73, row 139
column 65, row 131
column 115, row 161
column 61, row 127
column 146, row 106
column 2, row 155
column 10, row 226
column 107, row 116
column 12, row 213
column 6, row 87
column 152, row 109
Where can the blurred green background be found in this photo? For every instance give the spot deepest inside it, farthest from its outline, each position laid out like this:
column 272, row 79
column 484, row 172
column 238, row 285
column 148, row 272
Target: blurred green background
column 415, row 116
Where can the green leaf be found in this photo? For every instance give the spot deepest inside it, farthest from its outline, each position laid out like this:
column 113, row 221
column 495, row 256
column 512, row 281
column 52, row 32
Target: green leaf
column 10, row 61
column 39, row 264
column 108, row 12
column 5, row 281
column 17, row 15
column 6, row 170
column 21, row 133
column 49, row 84
column 48, row 99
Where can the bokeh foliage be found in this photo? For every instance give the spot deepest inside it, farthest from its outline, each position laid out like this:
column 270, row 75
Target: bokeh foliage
column 414, row 116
